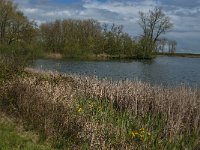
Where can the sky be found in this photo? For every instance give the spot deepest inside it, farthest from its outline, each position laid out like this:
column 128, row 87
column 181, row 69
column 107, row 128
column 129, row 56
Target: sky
column 185, row 14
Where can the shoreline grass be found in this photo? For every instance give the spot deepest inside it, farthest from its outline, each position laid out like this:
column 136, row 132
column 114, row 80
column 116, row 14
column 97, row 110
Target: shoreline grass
column 80, row 112
column 101, row 57
column 187, row 55
column 91, row 57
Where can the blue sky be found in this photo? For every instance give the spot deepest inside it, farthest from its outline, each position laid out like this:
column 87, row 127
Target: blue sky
column 185, row 14
column 65, row 1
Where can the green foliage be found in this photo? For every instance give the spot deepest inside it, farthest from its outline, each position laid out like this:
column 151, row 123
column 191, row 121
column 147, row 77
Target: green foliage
column 145, row 48
column 75, row 38
column 14, row 58
column 18, row 41
column 14, row 26
column 10, row 64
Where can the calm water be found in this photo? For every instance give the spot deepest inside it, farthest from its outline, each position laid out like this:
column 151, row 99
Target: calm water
column 162, row 70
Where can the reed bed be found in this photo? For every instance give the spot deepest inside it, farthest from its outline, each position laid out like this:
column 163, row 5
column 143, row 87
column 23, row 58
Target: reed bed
column 79, row 112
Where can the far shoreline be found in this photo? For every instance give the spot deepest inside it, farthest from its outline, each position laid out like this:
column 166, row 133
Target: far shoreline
column 188, row 55
column 102, row 57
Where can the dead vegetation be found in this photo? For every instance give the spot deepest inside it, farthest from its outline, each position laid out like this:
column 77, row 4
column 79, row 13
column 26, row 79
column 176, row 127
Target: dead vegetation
column 85, row 112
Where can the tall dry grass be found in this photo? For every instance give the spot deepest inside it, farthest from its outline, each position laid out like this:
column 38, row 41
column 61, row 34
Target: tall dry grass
column 47, row 102
column 179, row 106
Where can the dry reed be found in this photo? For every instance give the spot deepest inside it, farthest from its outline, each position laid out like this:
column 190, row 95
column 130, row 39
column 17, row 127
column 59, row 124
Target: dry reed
column 46, row 102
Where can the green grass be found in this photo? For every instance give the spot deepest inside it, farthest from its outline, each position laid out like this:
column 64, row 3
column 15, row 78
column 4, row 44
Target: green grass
column 11, row 140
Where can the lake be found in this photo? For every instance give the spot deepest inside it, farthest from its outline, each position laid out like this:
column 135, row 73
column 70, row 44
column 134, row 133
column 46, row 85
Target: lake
column 163, row 70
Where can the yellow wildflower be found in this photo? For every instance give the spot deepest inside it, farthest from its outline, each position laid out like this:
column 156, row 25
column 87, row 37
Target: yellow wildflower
column 80, row 109
column 133, row 134
column 142, row 132
column 142, row 136
column 136, row 133
column 142, row 129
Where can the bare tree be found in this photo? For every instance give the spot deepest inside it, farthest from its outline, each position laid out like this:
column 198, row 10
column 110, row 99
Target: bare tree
column 172, row 46
column 161, row 44
column 154, row 23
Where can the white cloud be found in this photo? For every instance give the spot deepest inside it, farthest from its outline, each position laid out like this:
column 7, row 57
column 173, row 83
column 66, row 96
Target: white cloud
column 31, row 10
column 58, row 13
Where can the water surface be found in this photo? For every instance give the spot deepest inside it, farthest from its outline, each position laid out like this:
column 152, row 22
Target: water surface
column 162, row 70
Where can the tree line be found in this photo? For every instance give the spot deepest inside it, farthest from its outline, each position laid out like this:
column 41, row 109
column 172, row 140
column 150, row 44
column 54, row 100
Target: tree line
column 73, row 38
column 79, row 37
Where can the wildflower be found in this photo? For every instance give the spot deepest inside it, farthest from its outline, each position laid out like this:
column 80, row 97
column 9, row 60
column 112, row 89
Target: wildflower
column 80, row 109
column 141, row 136
column 133, row 134
column 136, row 133
column 142, row 132
column 142, row 129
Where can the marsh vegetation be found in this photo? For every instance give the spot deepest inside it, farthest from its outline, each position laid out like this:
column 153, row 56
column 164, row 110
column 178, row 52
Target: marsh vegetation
column 84, row 112
column 80, row 112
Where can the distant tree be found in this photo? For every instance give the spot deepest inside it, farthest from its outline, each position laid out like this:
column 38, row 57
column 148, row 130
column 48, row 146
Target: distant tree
column 172, row 46
column 72, row 37
column 154, row 23
column 128, row 45
column 117, row 31
column 160, row 45
column 114, row 37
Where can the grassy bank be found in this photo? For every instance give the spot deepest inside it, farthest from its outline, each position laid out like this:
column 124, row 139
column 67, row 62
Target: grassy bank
column 90, row 57
column 76, row 112
column 189, row 55
column 113, row 57
column 13, row 137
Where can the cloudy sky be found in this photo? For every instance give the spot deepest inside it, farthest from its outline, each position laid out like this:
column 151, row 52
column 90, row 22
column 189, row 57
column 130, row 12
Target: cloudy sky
column 185, row 15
